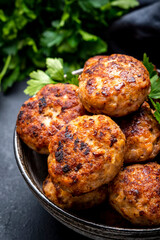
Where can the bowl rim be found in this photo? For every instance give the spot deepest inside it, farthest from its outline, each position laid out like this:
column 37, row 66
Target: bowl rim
column 97, row 226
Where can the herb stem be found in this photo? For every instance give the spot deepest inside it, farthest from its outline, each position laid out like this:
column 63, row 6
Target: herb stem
column 4, row 70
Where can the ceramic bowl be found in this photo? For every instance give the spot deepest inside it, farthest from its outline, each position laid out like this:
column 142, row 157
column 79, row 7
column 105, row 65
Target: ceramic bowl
column 100, row 222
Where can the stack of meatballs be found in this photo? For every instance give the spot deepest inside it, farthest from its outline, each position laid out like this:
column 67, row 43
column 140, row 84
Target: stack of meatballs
column 100, row 138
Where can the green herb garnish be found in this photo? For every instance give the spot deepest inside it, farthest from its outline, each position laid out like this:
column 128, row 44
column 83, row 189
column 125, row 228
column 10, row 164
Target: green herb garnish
column 33, row 30
column 155, row 86
column 54, row 74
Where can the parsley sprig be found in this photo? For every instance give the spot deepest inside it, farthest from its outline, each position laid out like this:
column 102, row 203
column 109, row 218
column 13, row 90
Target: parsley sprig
column 32, row 30
column 54, row 74
column 155, row 86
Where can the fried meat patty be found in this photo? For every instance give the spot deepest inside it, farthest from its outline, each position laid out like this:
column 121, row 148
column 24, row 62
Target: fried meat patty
column 65, row 200
column 142, row 133
column 135, row 194
column 43, row 115
column 115, row 85
column 86, row 153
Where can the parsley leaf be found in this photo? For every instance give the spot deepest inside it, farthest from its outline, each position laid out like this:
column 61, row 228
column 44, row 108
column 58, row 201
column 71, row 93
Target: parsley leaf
column 154, row 78
column 125, row 4
column 150, row 67
column 54, row 74
column 55, row 68
column 38, row 80
column 155, row 86
column 72, row 79
column 157, row 107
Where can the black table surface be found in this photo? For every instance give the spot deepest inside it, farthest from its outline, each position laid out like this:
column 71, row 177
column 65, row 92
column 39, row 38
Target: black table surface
column 21, row 215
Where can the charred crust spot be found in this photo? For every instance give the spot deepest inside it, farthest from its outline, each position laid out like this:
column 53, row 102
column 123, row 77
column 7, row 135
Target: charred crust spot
column 42, row 104
column 66, row 168
column 131, row 80
column 112, row 141
column 101, row 134
column 75, row 179
column 42, row 124
column 57, row 95
column 83, row 146
column 35, row 134
column 95, row 133
column 125, row 179
column 151, row 129
column 59, row 156
column 57, row 92
column 105, row 91
column 88, row 71
column 45, row 182
column 20, row 115
column 60, row 146
column 109, row 158
column 30, row 105
column 119, row 86
column 63, row 109
column 158, row 192
column 134, row 192
column 50, row 133
column 141, row 213
column 91, row 85
column 76, row 144
column 91, row 120
column 68, row 133
column 89, row 82
column 154, row 209
column 76, row 141
column 97, row 154
column 87, row 151
column 78, row 167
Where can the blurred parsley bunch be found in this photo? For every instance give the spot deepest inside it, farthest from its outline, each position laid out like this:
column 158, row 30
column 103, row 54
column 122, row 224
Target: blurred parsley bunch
column 32, row 30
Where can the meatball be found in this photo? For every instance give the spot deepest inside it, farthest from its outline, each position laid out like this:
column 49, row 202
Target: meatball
column 115, row 85
column 43, row 115
column 86, row 153
column 65, row 200
column 142, row 133
column 135, row 194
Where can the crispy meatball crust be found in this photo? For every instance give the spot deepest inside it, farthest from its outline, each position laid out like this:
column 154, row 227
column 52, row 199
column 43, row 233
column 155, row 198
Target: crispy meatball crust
column 86, row 153
column 47, row 112
column 142, row 133
column 135, row 194
column 115, row 85
column 65, row 200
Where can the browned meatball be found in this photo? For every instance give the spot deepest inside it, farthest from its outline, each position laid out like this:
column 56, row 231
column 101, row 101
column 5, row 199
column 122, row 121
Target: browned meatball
column 86, row 153
column 65, row 200
column 115, row 85
column 142, row 133
column 47, row 112
column 135, row 194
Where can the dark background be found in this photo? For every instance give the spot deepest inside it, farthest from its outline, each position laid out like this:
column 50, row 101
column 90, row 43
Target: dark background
column 138, row 32
column 21, row 216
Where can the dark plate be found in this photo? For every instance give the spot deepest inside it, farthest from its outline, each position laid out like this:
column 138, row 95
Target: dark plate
column 100, row 222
